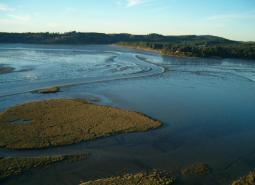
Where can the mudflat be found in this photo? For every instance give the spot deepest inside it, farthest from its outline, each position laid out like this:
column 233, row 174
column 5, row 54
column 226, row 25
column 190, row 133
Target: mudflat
column 63, row 121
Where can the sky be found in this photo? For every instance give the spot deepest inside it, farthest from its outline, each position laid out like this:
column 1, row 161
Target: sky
column 232, row 19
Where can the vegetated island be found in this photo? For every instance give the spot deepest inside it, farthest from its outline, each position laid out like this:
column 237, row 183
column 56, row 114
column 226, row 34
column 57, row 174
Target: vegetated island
column 64, row 121
column 187, row 45
column 155, row 177
column 150, row 178
column 10, row 166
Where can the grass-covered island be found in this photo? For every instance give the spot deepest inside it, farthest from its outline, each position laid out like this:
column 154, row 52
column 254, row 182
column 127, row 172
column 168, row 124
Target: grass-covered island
column 186, row 45
column 61, row 122
column 150, row 178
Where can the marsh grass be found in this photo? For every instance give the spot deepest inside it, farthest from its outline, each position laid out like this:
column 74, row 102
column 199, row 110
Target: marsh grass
column 62, row 122
column 246, row 180
column 152, row 178
column 10, row 166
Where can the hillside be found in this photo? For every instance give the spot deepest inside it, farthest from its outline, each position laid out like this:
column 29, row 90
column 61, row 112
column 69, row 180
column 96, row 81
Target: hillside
column 101, row 38
column 187, row 45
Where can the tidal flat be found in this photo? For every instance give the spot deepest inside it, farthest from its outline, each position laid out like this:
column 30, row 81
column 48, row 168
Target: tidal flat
column 206, row 107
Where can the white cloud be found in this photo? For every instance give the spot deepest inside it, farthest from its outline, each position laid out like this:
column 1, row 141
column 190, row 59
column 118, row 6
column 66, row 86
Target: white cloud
column 5, row 8
column 10, row 16
column 131, row 3
column 6, row 21
column 14, row 21
column 228, row 17
column 23, row 18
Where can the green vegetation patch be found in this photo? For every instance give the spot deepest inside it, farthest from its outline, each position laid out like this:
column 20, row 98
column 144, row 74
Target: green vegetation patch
column 154, row 178
column 246, row 180
column 10, row 166
column 62, row 122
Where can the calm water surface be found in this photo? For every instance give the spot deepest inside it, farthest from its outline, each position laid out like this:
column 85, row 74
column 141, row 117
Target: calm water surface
column 207, row 107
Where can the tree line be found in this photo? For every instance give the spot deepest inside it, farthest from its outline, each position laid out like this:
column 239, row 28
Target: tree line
column 187, row 45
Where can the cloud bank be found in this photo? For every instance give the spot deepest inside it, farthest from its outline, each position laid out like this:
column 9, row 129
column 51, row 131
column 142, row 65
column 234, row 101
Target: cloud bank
column 131, row 3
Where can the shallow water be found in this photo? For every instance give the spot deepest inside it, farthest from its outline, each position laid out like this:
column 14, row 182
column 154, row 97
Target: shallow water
column 43, row 66
column 207, row 107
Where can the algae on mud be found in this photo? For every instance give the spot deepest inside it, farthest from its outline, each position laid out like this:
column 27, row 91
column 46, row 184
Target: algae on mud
column 153, row 178
column 10, row 166
column 63, row 121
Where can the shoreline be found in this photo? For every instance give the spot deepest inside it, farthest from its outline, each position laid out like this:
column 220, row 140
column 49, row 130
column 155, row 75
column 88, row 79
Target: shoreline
column 137, row 48
column 160, row 52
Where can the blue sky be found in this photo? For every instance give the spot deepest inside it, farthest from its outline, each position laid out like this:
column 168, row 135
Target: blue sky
column 234, row 19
